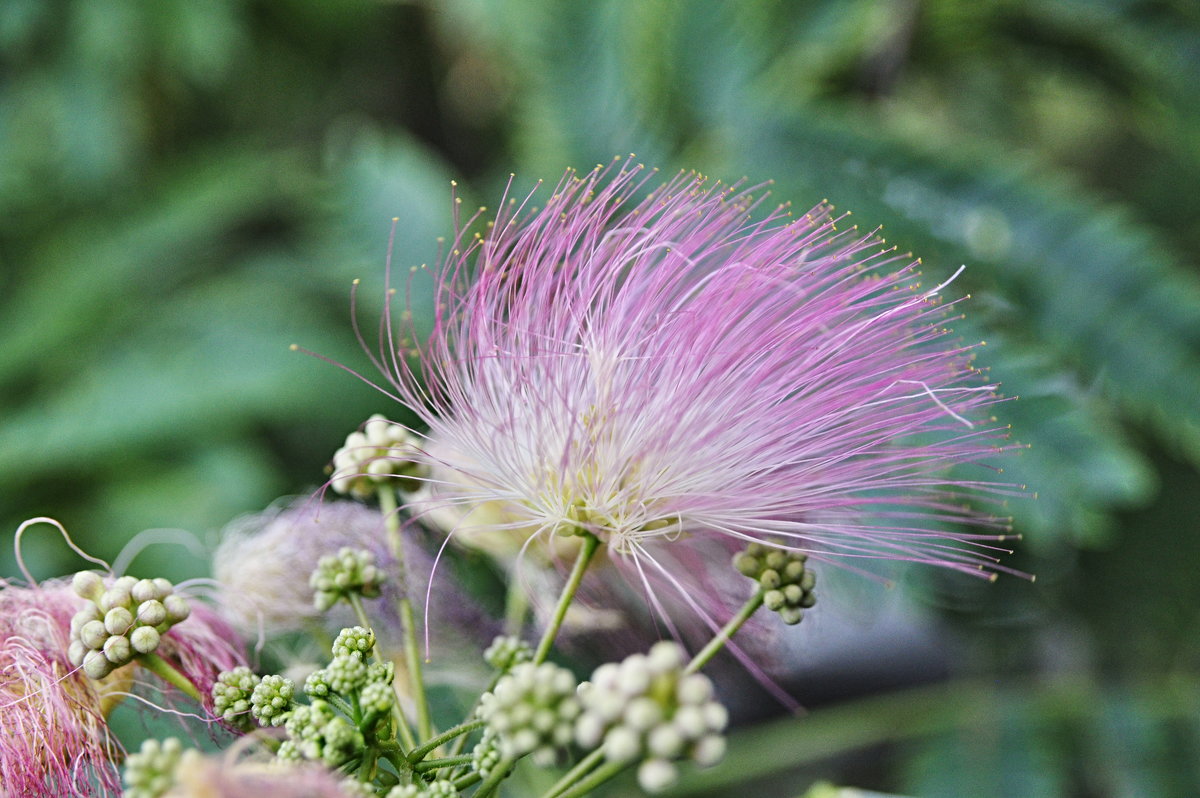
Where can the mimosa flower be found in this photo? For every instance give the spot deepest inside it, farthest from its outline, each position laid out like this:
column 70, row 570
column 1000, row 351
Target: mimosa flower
column 682, row 370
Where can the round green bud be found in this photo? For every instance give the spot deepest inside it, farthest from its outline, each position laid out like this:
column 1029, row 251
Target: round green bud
column 90, row 612
column 794, row 570
column 76, row 651
column 151, row 613
column 144, row 590
column 695, row 688
column 774, row 600
column 117, row 650
column 770, row 579
column 665, row 742
column 93, row 634
column 88, row 585
column 144, row 639
column 808, row 581
column 656, row 775
column 776, row 559
column 118, row 620
column 96, row 665
column 747, row 564
column 709, row 750
column 622, row 744
column 115, row 596
column 791, row 615
column 177, row 608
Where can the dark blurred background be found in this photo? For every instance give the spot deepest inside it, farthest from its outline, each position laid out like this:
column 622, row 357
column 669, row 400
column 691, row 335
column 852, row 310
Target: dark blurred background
column 189, row 186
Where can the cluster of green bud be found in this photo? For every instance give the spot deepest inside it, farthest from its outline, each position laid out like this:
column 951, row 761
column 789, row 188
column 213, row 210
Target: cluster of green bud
column 646, row 708
column 231, row 694
column 439, row 788
column 532, row 711
column 272, row 700
column 347, row 674
column 150, row 772
column 485, row 756
column 120, row 621
column 338, row 576
column 786, row 582
column 381, row 452
column 354, row 640
column 506, row 652
column 317, row 732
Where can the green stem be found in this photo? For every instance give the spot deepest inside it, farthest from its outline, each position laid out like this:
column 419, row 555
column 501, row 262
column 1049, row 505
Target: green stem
column 576, row 773
column 366, row 770
column 727, row 631
column 418, row 754
column 412, row 659
column 498, row 774
column 168, row 673
column 360, row 612
column 601, row 775
column 516, row 608
column 463, row 782
column 445, row 762
column 590, row 544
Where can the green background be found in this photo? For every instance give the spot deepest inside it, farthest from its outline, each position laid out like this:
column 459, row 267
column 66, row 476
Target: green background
column 189, row 186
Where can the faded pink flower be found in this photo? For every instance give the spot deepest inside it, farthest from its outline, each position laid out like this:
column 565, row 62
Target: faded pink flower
column 53, row 735
column 233, row 776
column 681, row 370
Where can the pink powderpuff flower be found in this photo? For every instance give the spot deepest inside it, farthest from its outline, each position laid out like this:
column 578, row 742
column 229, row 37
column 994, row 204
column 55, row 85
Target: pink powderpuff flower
column 53, row 735
column 679, row 374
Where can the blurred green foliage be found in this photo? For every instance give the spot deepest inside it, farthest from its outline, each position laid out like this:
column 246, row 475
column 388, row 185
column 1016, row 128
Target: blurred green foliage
column 189, row 186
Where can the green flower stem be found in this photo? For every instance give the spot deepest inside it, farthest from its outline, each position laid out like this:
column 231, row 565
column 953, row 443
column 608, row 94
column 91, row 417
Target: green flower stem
column 590, row 544
column 366, row 771
column 396, row 757
column 168, row 673
column 412, row 658
column 598, row 777
column 498, row 774
column 387, row 505
column 445, row 762
column 418, row 754
column 463, row 782
column 576, row 773
column 360, row 611
column 343, row 706
column 727, row 631
column 516, row 608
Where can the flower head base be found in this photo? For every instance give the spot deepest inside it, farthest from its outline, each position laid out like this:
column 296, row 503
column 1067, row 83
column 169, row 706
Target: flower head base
column 676, row 368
